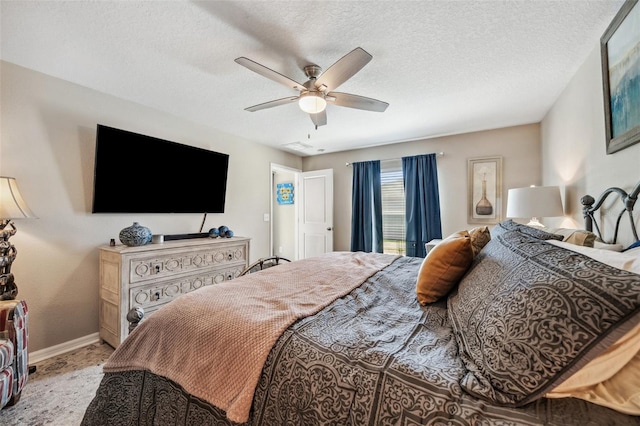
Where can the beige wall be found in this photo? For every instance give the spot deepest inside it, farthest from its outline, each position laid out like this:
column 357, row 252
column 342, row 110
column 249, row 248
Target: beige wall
column 519, row 146
column 48, row 143
column 573, row 146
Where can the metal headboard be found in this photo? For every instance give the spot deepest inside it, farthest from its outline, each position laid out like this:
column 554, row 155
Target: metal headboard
column 628, row 200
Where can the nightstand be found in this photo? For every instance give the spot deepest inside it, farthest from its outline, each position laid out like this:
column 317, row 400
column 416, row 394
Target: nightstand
column 431, row 244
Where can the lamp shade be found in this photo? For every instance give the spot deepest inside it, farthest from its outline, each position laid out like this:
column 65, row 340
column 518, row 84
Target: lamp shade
column 534, row 201
column 12, row 205
column 312, row 102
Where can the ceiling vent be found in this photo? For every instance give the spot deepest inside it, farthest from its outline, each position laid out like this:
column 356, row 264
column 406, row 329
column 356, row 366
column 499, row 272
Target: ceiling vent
column 296, row 146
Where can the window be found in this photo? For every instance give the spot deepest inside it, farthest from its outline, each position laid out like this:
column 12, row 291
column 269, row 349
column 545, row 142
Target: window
column 393, row 221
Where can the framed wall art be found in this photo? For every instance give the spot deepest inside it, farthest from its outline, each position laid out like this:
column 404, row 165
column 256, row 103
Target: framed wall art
column 620, row 53
column 284, row 193
column 484, row 203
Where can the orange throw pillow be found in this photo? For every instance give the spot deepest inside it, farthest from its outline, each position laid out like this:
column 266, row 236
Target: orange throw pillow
column 444, row 267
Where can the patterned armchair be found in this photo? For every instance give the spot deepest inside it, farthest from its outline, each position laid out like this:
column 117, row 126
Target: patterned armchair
column 14, row 370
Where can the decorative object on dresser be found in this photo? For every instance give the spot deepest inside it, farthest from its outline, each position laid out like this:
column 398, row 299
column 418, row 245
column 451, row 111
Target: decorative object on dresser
column 135, row 235
column 484, row 190
column 534, row 202
column 151, row 276
column 222, row 231
column 12, row 206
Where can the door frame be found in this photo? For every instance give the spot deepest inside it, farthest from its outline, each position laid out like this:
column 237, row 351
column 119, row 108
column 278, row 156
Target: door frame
column 274, row 168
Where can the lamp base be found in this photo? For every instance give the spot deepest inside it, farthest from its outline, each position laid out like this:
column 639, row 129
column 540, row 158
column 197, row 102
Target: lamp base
column 8, row 287
column 535, row 223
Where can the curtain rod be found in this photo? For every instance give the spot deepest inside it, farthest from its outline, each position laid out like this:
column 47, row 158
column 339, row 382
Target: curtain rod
column 439, row 154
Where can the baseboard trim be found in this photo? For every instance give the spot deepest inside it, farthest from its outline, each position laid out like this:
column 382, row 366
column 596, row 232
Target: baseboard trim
column 42, row 354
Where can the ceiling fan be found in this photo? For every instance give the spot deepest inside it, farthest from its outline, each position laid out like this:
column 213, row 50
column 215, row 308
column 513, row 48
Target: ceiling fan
column 318, row 90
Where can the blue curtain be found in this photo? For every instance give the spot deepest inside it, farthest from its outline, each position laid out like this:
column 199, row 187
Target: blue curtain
column 366, row 208
column 422, row 203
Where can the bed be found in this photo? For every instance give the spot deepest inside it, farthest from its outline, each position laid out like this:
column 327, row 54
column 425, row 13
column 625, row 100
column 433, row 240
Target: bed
column 349, row 339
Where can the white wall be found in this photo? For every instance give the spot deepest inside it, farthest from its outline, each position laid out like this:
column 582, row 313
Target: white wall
column 519, row 146
column 573, row 146
column 48, row 144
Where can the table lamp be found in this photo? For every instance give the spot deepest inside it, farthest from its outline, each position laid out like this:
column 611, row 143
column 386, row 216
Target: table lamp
column 12, row 206
column 534, row 202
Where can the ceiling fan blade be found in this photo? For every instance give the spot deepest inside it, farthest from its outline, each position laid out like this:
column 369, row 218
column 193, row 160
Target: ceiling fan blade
column 272, row 104
column 319, row 119
column 343, row 70
column 269, row 73
column 355, row 101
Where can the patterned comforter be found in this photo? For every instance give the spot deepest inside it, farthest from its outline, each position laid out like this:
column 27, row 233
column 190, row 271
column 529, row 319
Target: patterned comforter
column 373, row 357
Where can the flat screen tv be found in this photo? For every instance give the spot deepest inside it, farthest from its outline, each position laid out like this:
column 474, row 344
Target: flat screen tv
column 135, row 173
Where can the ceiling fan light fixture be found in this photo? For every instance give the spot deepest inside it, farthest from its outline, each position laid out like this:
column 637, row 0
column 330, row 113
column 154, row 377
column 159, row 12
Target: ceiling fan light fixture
column 312, row 102
column 319, row 89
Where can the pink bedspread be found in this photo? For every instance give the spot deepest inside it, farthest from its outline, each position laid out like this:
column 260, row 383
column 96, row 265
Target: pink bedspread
column 214, row 341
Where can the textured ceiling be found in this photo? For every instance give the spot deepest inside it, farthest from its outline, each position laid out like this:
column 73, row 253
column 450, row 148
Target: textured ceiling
column 445, row 67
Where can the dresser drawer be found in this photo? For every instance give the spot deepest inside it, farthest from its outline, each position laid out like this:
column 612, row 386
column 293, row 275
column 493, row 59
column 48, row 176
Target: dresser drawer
column 158, row 266
column 156, row 294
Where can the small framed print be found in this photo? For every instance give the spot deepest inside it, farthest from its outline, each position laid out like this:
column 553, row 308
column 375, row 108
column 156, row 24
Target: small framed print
column 284, row 193
column 484, row 203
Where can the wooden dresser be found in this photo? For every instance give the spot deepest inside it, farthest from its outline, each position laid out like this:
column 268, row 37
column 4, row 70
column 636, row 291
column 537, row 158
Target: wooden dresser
column 152, row 275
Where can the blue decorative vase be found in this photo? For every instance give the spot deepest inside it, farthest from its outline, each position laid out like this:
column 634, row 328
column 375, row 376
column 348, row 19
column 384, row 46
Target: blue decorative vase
column 135, row 235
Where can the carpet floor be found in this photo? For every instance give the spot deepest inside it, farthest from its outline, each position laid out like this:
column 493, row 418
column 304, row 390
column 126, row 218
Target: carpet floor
column 60, row 390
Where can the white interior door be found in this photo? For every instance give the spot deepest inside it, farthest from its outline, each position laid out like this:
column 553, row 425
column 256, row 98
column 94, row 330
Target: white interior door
column 315, row 196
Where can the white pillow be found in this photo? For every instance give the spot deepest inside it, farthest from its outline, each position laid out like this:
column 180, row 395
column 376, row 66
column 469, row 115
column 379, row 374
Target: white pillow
column 627, row 261
column 634, row 251
column 605, row 246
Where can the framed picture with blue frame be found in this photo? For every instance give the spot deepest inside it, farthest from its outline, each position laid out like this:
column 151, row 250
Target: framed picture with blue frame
column 620, row 53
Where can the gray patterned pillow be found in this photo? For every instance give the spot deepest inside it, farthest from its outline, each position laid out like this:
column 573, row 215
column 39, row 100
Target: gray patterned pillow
column 529, row 314
column 510, row 225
